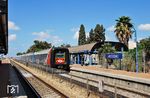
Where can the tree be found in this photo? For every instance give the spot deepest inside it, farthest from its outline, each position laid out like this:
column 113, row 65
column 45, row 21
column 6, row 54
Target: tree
column 90, row 39
column 38, row 46
column 145, row 44
column 65, row 45
column 124, row 29
column 91, row 35
column 19, row 53
column 99, row 33
column 105, row 48
column 129, row 61
column 82, row 36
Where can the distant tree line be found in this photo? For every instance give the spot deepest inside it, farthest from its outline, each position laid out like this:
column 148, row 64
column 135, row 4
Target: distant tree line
column 143, row 56
column 144, row 53
column 40, row 45
column 65, row 45
column 145, row 45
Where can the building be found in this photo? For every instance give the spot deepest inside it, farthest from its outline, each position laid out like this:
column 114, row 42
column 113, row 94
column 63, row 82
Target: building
column 88, row 54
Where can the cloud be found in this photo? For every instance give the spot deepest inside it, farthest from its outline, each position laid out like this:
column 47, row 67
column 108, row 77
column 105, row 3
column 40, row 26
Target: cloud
column 87, row 35
column 111, row 28
column 144, row 27
column 44, row 36
column 41, row 35
column 12, row 26
column 76, row 33
column 56, row 40
column 12, row 37
column 107, row 38
column 132, row 44
column 74, row 29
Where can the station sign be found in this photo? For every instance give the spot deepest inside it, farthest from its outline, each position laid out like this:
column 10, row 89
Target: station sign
column 113, row 55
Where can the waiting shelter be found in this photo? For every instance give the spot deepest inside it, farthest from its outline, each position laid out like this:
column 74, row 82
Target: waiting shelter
column 88, row 54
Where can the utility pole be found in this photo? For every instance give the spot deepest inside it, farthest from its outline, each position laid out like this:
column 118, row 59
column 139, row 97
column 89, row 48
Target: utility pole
column 144, row 60
column 137, row 67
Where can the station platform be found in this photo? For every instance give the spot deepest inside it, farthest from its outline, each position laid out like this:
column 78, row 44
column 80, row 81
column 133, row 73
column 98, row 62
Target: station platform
column 113, row 71
column 10, row 85
column 127, row 84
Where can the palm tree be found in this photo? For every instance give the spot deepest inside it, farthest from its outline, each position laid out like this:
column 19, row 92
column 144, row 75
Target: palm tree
column 124, row 29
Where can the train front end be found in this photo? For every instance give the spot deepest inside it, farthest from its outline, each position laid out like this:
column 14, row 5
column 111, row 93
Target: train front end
column 60, row 58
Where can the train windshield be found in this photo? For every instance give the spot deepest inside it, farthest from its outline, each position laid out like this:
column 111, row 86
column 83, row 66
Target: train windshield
column 60, row 55
column 60, row 58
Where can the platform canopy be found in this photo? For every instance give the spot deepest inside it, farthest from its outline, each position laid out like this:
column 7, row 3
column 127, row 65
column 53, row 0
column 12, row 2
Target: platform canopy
column 3, row 26
column 95, row 46
column 76, row 49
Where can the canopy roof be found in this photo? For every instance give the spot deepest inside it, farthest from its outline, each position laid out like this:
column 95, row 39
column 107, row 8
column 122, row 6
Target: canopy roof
column 97, row 45
column 3, row 27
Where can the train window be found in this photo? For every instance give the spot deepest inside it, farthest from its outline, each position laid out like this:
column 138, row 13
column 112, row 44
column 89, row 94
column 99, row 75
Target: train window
column 60, row 55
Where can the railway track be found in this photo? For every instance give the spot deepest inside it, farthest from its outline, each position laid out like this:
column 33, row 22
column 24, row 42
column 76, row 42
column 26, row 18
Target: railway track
column 44, row 89
column 71, row 82
column 90, row 83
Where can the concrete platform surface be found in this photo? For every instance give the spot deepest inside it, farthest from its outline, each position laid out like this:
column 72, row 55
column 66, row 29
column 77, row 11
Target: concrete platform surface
column 9, row 82
column 117, row 72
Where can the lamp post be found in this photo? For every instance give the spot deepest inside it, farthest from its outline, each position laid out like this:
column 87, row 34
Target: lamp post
column 137, row 67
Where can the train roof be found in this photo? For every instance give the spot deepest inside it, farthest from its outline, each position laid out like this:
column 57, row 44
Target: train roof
column 37, row 53
column 41, row 52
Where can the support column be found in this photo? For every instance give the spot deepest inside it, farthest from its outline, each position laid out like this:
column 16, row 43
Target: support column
column 90, row 59
column 75, row 58
column 78, row 58
column 71, row 59
column 33, row 59
column 122, row 49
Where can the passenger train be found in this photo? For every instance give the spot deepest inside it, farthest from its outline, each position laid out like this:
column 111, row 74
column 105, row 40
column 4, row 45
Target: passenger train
column 53, row 57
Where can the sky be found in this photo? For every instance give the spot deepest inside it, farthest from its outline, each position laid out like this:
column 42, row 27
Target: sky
column 58, row 21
